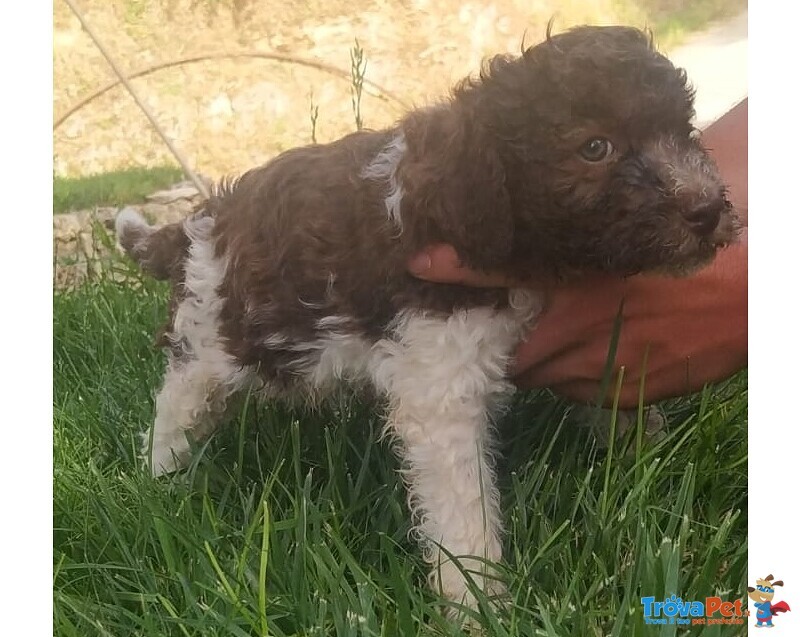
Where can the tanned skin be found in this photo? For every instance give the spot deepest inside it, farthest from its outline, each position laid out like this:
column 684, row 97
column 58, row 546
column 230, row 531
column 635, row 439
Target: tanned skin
column 694, row 328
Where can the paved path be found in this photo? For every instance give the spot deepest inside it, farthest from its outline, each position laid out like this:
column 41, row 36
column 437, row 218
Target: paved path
column 716, row 61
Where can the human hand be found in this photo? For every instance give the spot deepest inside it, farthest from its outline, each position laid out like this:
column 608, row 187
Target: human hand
column 693, row 329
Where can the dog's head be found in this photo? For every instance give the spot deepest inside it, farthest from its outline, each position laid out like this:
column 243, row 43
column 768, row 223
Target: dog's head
column 577, row 156
column 764, row 590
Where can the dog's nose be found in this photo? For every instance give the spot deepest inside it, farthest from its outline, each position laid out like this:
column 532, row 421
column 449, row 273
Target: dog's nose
column 704, row 218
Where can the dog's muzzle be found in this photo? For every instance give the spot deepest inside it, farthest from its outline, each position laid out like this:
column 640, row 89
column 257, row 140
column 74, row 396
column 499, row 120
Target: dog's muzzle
column 690, row 182
column 704, row 218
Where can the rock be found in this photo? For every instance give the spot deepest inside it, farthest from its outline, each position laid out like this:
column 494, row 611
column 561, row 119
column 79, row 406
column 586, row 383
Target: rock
column 65, row 227
column 65, row 249
column 105, row 214
column 79, row 252
column 87, row 244
column 181, row 209
column 173, row 195
column 159, row 214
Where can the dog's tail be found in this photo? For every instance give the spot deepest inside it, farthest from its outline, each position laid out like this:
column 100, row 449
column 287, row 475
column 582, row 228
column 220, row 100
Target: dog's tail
column 159, row 251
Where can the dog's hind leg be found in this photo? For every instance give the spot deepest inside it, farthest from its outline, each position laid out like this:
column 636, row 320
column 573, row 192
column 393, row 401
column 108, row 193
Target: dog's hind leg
column 200, row 375
column 190, row 405
column 442, row 377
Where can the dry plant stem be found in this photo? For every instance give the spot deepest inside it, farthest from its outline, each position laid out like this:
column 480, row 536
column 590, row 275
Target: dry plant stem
column 314, row 114
column 377, row 90
column 358, row 68
column 139, row 102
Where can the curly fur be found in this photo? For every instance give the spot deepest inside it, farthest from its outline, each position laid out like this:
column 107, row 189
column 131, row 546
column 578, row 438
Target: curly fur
column 295, row 275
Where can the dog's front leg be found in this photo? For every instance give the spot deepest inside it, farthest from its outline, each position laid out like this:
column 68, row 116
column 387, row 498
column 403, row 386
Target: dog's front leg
column 447, row 467
column 442, row 375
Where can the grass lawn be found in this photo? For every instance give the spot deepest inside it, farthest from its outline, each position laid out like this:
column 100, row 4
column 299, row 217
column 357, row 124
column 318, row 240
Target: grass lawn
column 128, row 186
column 292, row 522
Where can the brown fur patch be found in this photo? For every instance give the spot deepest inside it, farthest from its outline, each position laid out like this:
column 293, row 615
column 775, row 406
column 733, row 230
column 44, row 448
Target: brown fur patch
column 496, row 171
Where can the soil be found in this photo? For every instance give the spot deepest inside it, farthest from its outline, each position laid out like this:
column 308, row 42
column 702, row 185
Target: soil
column 229, row 115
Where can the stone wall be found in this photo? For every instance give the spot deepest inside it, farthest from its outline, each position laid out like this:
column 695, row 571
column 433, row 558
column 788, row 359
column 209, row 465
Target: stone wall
column 84, row 241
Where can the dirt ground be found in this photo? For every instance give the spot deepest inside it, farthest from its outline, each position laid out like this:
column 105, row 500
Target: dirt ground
column 228, row 115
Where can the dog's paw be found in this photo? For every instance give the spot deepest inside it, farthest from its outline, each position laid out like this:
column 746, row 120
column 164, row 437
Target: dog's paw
column 470, row 590
column 165, row 457
column 164, row 461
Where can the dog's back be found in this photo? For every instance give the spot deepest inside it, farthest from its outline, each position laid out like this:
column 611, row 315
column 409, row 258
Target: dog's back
column 307, row 250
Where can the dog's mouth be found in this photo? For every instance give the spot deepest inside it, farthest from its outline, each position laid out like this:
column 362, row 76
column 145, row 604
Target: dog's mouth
column 678, row 249
column 697, row 249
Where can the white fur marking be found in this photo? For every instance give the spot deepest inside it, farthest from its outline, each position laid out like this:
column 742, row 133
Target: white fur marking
column 128, row 218
column 333, row 357
column 336, row 354
column 384, row 168
column 333, row 321
column 341, row 356
column 196, row 387
column 441, row 374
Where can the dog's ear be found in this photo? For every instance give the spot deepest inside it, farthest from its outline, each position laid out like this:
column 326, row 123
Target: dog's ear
column 454, row 188
column 778, row 583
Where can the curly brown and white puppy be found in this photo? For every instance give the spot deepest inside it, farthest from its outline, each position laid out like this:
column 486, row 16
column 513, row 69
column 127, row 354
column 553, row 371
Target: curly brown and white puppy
column 578, row 156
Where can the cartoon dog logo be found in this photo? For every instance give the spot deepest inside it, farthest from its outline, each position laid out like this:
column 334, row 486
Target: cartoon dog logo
column 762, row 595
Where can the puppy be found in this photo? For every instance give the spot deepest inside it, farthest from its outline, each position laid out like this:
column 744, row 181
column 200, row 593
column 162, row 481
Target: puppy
column 577, row 157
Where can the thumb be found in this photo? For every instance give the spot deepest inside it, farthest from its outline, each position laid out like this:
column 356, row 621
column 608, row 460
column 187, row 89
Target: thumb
column 440, row 263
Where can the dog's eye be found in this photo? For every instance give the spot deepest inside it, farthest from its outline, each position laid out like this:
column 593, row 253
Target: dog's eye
column 596, row 149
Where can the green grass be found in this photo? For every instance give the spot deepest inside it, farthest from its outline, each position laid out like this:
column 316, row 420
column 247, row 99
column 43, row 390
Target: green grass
column 293, row 522
column 672, row 20
column 115, row 188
